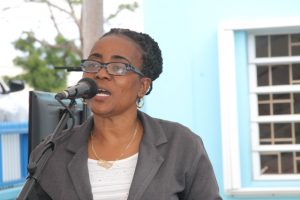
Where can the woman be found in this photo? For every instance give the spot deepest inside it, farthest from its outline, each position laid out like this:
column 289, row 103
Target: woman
column 121, row 152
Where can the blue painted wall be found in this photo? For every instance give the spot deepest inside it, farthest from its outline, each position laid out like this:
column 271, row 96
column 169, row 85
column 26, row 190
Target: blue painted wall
column 188, row 89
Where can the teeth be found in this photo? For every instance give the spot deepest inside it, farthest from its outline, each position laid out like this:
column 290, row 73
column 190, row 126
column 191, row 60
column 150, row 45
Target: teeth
column 103, row 92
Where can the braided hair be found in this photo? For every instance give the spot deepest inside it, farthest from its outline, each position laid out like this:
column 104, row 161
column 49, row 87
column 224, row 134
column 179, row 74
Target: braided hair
column 151, row 55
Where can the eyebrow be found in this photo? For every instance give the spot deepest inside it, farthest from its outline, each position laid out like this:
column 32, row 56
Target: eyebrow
column 97, row 55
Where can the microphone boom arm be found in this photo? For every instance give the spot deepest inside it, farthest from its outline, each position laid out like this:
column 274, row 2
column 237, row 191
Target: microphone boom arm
column 35, row 168
column 70, row 69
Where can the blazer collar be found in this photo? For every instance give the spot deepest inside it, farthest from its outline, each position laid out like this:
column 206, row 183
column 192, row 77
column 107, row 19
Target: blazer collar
column 149, row 160
column 80, row 136
column 153, row 133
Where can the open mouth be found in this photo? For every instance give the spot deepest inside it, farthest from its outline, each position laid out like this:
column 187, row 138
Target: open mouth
column 103, row 92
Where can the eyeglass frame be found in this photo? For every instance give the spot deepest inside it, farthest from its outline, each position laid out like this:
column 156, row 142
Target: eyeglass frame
column 128, row 67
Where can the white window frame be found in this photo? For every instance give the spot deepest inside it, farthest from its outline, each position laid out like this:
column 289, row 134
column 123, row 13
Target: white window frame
column 255, row 118
column 229, row 110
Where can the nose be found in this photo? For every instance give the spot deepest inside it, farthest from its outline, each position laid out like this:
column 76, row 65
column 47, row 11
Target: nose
column 103, row 73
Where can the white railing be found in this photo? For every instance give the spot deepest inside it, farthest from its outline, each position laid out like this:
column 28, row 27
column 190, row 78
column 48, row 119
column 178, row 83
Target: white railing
column 13, row 158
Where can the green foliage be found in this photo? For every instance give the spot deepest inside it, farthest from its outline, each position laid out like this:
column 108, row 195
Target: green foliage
column 39, row 58
column 129, row 7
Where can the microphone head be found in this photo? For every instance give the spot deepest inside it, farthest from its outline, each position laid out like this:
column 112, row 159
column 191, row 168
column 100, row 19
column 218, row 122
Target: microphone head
column 93, row 88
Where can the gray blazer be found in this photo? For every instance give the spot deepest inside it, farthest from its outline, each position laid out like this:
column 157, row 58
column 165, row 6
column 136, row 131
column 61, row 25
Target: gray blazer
column 172, row 164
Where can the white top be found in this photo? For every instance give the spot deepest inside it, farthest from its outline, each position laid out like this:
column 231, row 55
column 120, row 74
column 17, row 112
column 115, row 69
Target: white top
column 112, row 183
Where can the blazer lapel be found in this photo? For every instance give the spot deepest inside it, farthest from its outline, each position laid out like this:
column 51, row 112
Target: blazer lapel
column 77, row 167
column 73, row 156
column 78, row 172
column 148, row 164
column 150, row 159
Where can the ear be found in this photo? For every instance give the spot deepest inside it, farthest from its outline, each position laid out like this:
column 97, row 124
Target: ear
column 144, row 86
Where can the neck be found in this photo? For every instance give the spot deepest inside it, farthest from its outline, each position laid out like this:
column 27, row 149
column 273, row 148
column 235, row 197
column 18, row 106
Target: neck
column 115, row 128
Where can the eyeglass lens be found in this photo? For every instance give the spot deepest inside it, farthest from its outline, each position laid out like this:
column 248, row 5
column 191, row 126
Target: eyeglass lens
column 112, row 68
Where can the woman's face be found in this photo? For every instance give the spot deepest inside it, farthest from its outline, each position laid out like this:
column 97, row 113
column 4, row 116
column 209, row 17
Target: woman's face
column 117, row 94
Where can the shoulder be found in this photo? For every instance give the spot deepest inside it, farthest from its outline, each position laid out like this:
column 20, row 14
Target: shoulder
column 184, row 141
column 62, row 139
column 175, row 134
column 175, row 130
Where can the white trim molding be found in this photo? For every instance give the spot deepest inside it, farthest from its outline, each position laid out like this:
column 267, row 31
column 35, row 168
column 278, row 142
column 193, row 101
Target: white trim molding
column 229, row 109
column 265, row 192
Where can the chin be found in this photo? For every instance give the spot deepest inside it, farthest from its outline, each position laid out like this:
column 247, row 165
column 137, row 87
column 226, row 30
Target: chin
column 102, row 112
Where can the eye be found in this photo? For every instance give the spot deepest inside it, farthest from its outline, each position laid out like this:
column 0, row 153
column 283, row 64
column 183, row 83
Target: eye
column 118, row 68
column 91, row 65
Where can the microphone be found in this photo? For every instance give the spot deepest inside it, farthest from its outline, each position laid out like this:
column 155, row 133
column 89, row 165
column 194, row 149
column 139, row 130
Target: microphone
column 86, row 88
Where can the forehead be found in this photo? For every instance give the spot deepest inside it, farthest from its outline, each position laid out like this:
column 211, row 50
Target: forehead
column 117, row 45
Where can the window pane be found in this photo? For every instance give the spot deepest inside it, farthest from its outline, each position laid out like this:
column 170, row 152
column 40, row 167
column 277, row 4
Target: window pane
column 265, row 133
column 279, row 45
column 287, row 163
column 295, row 38
column 269, row 164
column 297, row 134
column 279, row 163
column 280, row 75
column 284, row 107
column 281, row 108
column 295, row 42
column 264, row 109
column 296, row 103
column 262, row 75
column 296, row 71
column 295, row 50
column 262, row 97
column 281, row 96
column 283, row 133
column 261, row 46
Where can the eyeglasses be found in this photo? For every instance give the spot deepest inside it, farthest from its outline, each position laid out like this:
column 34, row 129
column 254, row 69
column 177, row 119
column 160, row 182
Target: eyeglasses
column 113, row 68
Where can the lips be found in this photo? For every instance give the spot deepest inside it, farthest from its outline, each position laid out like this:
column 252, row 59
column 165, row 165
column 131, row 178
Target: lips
column 103, row 92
